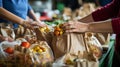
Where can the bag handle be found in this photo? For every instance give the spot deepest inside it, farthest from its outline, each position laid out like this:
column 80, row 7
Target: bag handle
column 68, row 42
column 85, row 44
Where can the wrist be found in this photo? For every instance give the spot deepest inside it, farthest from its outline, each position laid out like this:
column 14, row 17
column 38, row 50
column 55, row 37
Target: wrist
column 21, row 22
column 24, row 23
column 89, row 27
column 27, row 24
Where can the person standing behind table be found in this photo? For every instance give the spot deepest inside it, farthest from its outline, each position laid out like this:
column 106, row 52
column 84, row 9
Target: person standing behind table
column 72, row 4
column 105, row 19
column 103, row 2
column 17, row 11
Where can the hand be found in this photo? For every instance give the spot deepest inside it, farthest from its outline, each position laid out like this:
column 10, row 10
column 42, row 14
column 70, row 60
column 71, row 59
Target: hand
column 40, row 24
column 27, row 24
column 32, row 24
column 75, row 26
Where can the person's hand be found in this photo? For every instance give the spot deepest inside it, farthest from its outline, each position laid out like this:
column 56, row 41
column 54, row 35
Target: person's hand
column 27, row 24
column 39, row 24
column 32, row 24
column 75, row 26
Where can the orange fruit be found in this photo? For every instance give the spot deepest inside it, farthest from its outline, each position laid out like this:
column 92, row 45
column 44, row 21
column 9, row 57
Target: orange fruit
column 57, row 28
column 57, row 33
column 25, row 44
column 9, row 50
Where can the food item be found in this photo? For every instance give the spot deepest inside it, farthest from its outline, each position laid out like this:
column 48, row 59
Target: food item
column 9, row 50
column 96, row 50
column 25, row 44
column 69, row 62
column 58, row 30
column 44, row 29
column 38, row 49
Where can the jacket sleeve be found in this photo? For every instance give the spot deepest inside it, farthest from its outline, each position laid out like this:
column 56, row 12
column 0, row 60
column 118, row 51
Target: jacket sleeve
column 109, row 11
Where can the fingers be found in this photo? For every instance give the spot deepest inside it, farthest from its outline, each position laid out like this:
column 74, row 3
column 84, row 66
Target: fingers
column 71, row 30
column 32, row 25
column 27, row 24
column 39, row 24
column 68, row 23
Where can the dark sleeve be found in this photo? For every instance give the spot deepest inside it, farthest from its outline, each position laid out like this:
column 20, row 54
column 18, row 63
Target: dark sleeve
column 109, row 11
column 116, row 25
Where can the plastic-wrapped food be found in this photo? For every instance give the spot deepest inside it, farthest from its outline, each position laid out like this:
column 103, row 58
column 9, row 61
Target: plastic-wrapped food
column 38, row 54
column 93, row 44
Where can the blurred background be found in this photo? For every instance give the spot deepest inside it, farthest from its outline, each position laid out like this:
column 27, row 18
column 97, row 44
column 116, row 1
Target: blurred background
column 49, row 9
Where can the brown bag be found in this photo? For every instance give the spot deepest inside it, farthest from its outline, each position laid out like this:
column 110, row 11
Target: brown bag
column 44, row 36
column 104, row 38
column 71, row 46
column 67, row 43
column 7, row 32
column 87, row 64
column 70, row 43
column 88, row 58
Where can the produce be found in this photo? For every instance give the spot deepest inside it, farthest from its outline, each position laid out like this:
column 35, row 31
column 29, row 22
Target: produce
column 58, row 30
column 44, row 29
column 38, row 49
column 25, row 44
column 9, row 50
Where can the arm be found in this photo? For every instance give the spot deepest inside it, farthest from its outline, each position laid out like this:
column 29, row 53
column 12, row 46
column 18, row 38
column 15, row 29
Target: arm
column 104, row 13
column 10, row 16
column 100, row 26
column 5, row 14
column 86, row 19
column 31, row 14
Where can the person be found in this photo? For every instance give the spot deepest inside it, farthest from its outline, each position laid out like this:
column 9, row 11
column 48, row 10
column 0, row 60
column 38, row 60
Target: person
column 105, row 19
column 72, row 4
column 15, row 12
column 102, row 2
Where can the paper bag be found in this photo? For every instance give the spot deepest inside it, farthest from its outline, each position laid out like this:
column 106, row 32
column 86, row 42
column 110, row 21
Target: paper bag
column 71, row 43
column 87, row 64
column 44, row 36
column 104, row 38
column 7, row 32
column 67, row 43
column 88, row 58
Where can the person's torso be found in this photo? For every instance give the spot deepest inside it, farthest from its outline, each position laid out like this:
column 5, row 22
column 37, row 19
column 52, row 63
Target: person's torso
column 17, row 7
